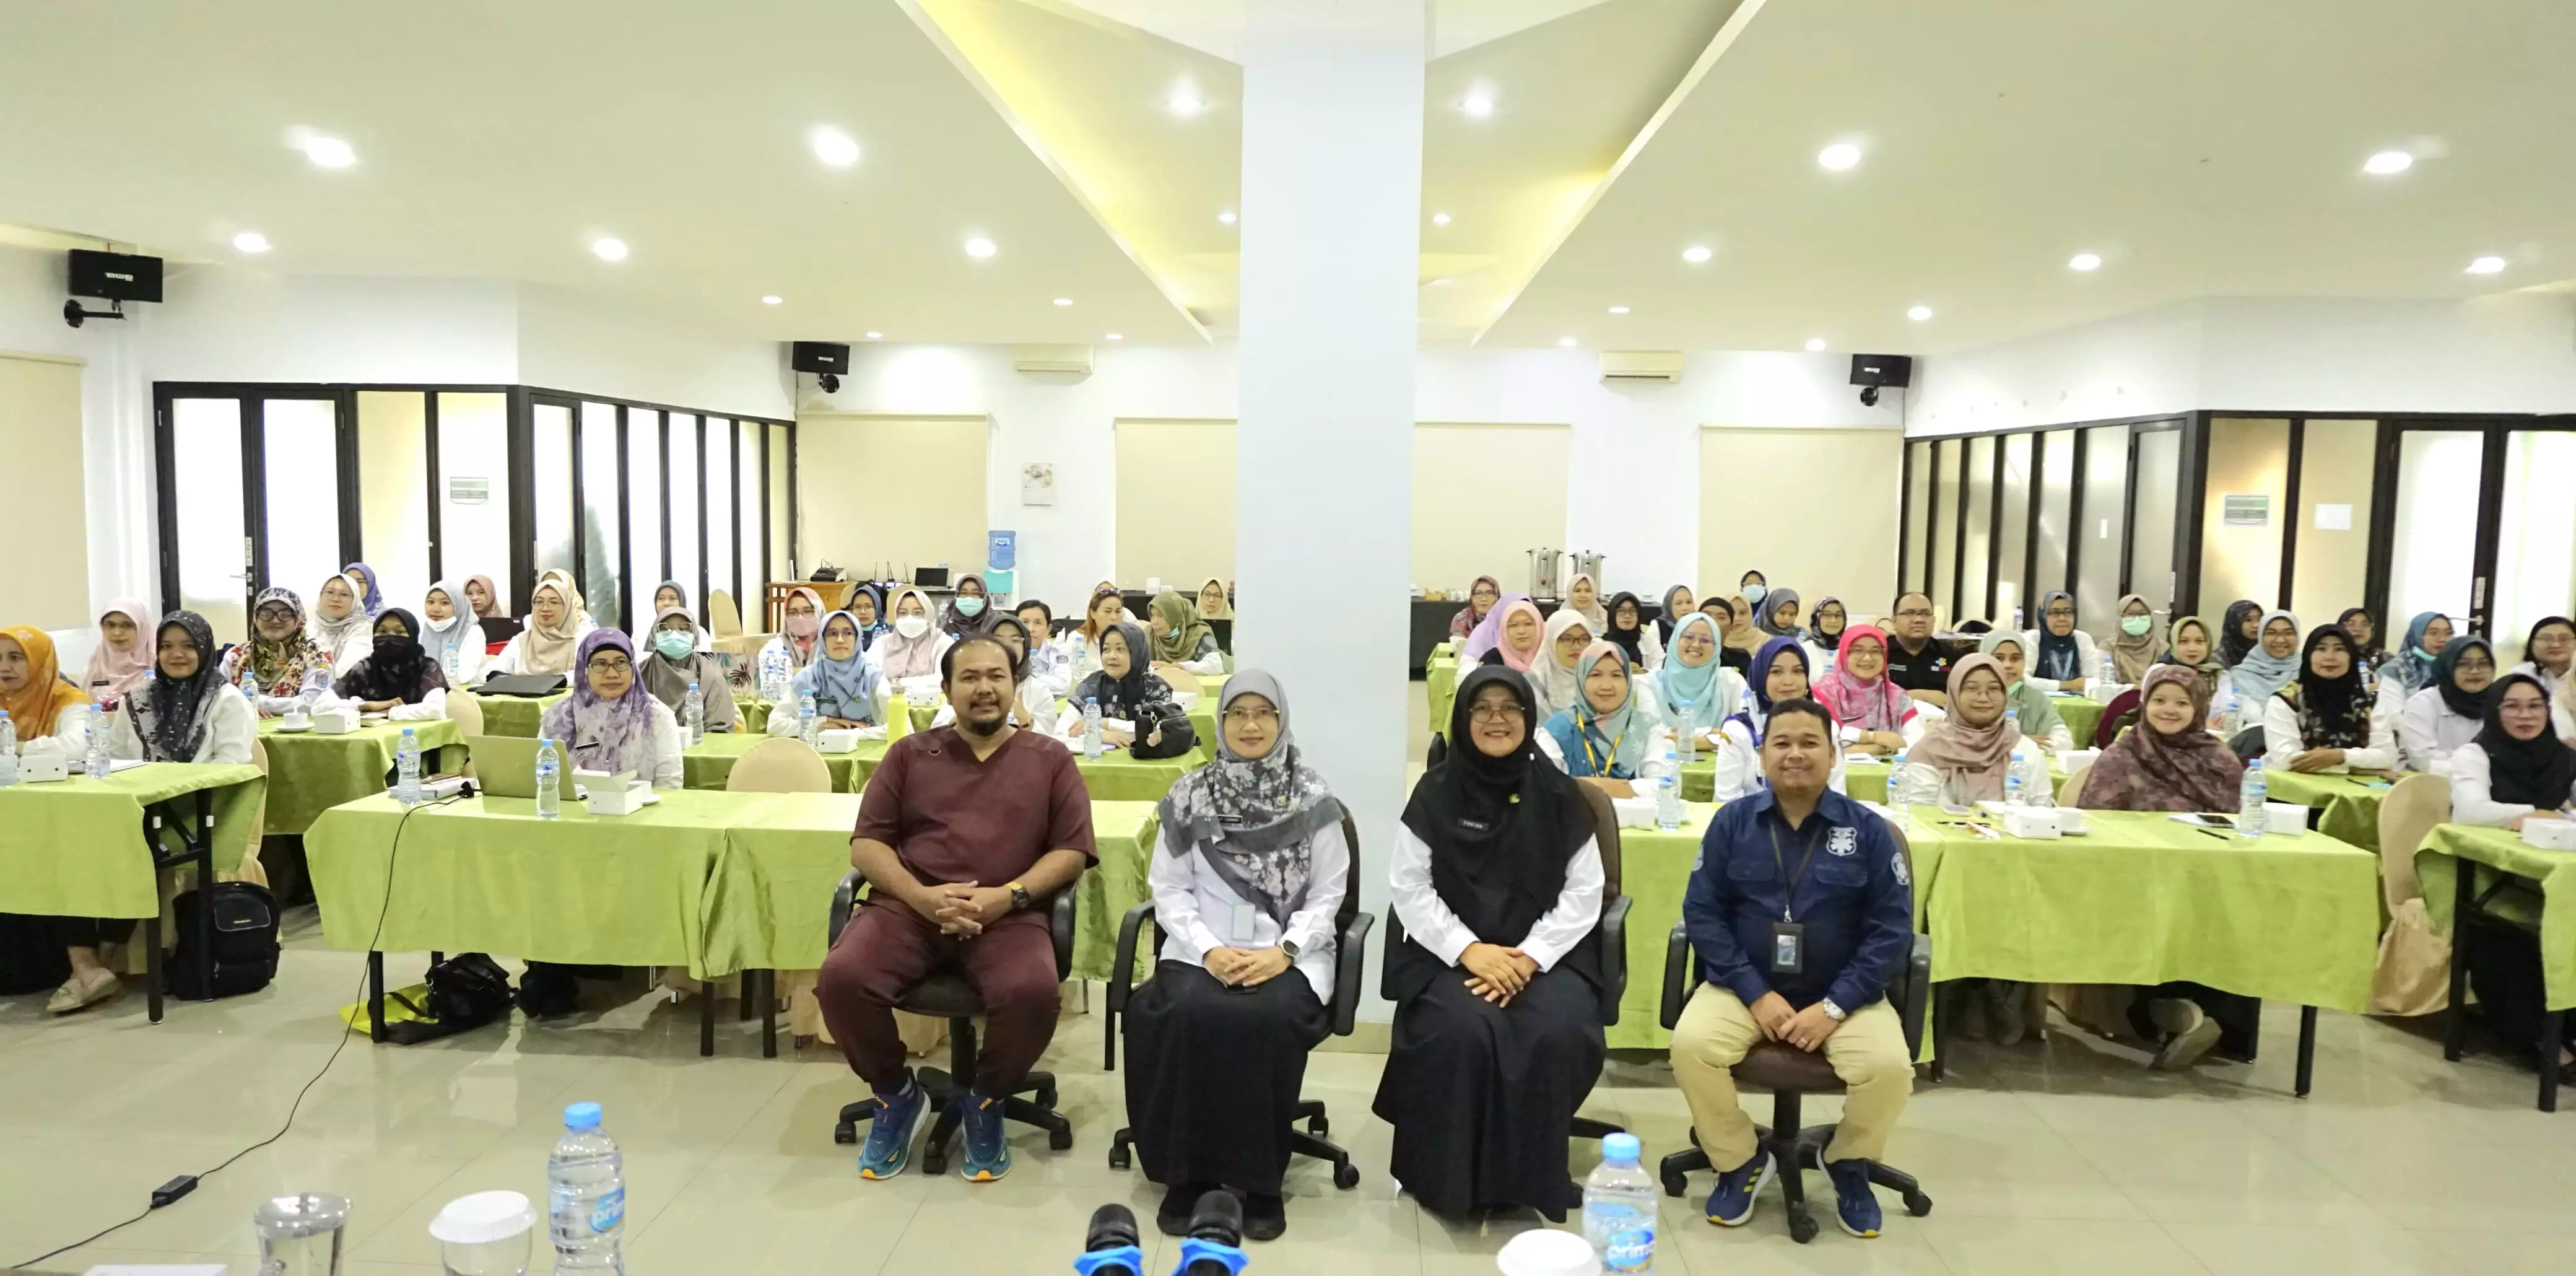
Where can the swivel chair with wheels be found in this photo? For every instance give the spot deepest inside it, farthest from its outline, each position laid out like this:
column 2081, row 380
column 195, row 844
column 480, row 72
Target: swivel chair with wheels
column 949, row 995
column 1349, row 955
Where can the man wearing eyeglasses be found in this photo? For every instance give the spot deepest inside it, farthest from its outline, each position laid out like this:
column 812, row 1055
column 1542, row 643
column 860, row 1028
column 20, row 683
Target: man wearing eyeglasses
column 1917, row 661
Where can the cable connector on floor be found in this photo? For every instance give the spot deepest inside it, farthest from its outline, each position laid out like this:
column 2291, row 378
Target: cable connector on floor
column 173, row 1190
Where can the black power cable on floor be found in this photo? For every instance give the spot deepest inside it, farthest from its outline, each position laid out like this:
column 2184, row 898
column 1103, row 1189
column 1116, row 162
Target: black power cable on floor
column 178, row 1188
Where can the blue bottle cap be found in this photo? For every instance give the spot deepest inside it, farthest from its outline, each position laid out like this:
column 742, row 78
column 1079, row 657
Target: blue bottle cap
column 1623, row 1149
column 581, row 1116
column 406, row 733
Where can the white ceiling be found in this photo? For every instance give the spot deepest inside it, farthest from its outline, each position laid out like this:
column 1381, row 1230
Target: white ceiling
column 2201, row 147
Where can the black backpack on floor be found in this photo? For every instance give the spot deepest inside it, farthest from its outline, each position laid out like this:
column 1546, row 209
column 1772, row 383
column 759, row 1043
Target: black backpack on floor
column 243, row 945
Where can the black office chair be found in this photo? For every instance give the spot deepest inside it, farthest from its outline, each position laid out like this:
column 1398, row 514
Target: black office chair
column 1437, row 753
column 1790, row 1074
column 948, row 995
column 1614, row 939
column 1348, row 959
column 2248, row 744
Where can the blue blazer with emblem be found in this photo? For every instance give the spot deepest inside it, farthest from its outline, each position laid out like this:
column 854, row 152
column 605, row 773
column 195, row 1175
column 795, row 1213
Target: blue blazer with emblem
column 1855, row 902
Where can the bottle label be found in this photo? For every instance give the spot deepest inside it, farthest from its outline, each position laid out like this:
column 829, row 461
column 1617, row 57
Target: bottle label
column 608, row 1212
column 1630, row 1249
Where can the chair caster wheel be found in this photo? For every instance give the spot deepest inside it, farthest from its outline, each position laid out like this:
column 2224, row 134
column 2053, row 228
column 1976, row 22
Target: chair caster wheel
column 1802, row 1226
column 1120, row 1158
column 1917, row 1204
column 845, row 1133
column 1675, row 1185
column 1346, row 1177
column 1059, row 1140
column 1046, row 1098
column 934, row 1161
column 1319, row 1127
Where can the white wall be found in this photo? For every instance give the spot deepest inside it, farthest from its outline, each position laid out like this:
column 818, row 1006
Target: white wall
column 116, row 423
column 1633, row 475
column 234, row 323
column 567, row 342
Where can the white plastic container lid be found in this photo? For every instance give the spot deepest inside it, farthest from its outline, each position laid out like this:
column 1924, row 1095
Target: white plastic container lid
column 482, row 1218
column 1547, row 1252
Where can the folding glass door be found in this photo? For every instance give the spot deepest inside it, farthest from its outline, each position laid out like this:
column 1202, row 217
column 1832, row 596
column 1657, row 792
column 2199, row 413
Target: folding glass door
column 258, row 487
column 2475, row 523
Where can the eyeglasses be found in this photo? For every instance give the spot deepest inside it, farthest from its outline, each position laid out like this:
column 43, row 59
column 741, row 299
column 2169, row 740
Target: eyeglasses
column 613, row 665
column 1918, row 613
column 2067, row 612
column 1251, row 717
column 1493, row 712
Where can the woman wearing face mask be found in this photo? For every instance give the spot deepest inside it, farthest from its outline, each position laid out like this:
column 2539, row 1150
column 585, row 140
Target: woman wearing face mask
column 2549, row 653
column 1752, row 587
column 2025, row 699
column 1678, row 603
column 1694, row 692
column 2451, row 712
column 282, row 657
column 1482, row 597
column 2517, row 767
column 2271, row 665
column 969, row 612
column 557, row 624
column 801, row 624
column 1551, row 672
column 2325, row 720
column 41, row 705
column 2137, row 646
column 1779, row 673
column 449, row 636
column 1628, row 631
column 679, row 658
column 1873, row 713
column 909, row 657
column 2062, row 657
column 1604, row 734
column 670, row 594
column 1137, row 711
column 340, row 624
column 848, row 689
column 397, row 678
column 1583, row 598
column 1181, row 638
column 2196, row 648
column 1826, row 624
column 122, row 660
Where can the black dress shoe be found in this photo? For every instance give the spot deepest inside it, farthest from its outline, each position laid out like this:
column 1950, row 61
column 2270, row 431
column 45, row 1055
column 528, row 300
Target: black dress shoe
column 1265, row 1218
column 1180, row 1201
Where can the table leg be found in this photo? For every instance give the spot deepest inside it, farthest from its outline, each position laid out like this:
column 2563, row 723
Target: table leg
column 768, row 1014
column 2464, row 904
column 152, row 965
column 2553, row 1025
column 1941, row 1014
column 376, row 997
column 706, row 1019
column 2307, row 1047
column 201, row 848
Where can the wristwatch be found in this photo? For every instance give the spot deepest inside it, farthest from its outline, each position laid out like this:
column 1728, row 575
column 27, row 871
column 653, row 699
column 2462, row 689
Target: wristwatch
column 1832, row 1011
column 1020, row 900
column 1289, row 946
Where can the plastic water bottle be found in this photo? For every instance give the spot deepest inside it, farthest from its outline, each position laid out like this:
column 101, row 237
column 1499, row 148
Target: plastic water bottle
column 8, row 750
column 407, row 769
column 806, row 722
column 2252, row 797
column 2035, row 784
column 586, row 1194
column 693, row 714
column 1689, row 742
column 549, row 783
column 2234, row 716
column 2012, row 729
column 773, row 675
column 1619, row 1209
column 2110, row 671
column 2013, row 796
column 249, row 684
column 102, row 724
column 1668, row 792
column 1091, row 745
column 450, row 666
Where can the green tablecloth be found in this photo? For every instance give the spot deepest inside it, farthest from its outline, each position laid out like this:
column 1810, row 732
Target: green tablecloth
column 2347, row 805
column 706, row 765
column 485, row 875
column 1439, row 688
column 2081, row 714
column 75, row 848
column 1865, row 781
column 1124, row 832
column 754, row 714
column 2549, row 901
column 516, row 715
column 2144, row 900
column 309, row 773
column 1116, row 777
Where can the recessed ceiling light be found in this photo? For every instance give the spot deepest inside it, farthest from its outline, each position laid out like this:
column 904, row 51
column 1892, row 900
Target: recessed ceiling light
column 2084, row 261
column 2387, row 162
column 1185, row 101
column 771, row 300
column 1479, row 103
column 329, row 152
column 251, row 241
column 1116, row 337
column 980, row 247
column 1227, row 217
column 1064, row 301
column 1565, row 341
column 1919, row 313
column 608, row 249
column 2482, row 266
column 876, row 336
column 834, row 147
column 1839, row 156
column 1696, row 253
column 1439, row 283
column 1440, row 219
column 1815, row 343
column 1618, row 310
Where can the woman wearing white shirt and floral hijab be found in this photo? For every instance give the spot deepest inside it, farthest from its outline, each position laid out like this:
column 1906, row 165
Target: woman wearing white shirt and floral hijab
column 2327, row 720
column 1248, row 874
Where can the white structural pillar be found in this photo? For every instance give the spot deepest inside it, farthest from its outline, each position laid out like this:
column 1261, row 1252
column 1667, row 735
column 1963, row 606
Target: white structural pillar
column 1332, row 195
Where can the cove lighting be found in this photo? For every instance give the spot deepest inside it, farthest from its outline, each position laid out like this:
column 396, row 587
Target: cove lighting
column 1815, row 343
column 251, row 241
column 980, row 248
column 2387, row 162
column 608, row 249
column 1479, row 104
column 771, row 300
column 834, row 147
column 2084, row 261
column 2482, row 266
column 1919, row 313
column 1839, row 157
column 329, row 152
column 1440, row 219
column 1227, row 217
column 1697, row 253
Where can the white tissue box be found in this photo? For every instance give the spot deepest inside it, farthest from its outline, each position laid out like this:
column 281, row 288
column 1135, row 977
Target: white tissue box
column 2549, row 835
column 610, row 798
column 2071, row 821
column 1635, row 812
column 2069, row 760
column 340, row 720
column 43, row 762
column 1185, row 699
column 837, row 740
column 2288, row 818
column 2034, row 822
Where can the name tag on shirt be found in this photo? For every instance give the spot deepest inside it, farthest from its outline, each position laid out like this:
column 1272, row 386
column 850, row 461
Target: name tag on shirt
column 1240, row 921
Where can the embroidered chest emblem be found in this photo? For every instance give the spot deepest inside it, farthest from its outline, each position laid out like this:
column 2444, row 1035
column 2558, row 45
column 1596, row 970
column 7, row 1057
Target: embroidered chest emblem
column 1843, row 842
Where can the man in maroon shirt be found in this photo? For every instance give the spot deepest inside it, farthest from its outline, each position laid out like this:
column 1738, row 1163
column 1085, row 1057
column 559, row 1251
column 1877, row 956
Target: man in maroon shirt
column 965, row 834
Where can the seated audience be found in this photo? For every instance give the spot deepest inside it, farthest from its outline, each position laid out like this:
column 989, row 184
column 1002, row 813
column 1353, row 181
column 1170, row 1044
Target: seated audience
column 1659, row 636
column 2137, row 645
column 2271, row 664
column 2061, row 656
column 680, row 660
column 341, row 626
column 1048, row 666
column 967, row 611
column 1779, row 676
column 1137, row 711
column 1104, row 612
column 450, row 636
column 1871, row 713
column 498, row 625
column 1777, row 614
column 1722, row 614
column 800, row 626
column 1853, row 909
column 1510, row 635
column 2517, row 767
column 1481, row 598
column 557, row 624
column 1583, row 598
column 2325, row 720
column 1215, row 603
column 396, row 678
column 965, row 834
column 1248, row 873
column 1604, row 734
column 2027, row 702
column 1752, row 586
column 1628, row 630
column 122, row 660
column 1180, row 637
column 609, row 722
column 2357, row 622
column 40, row 703
column 1033, row 702
column 2453, row 710
column 670, row 594
column 2548, row 654
column 1108, row 586
column 1824, row 636
column 1497, row 1037
column 865, row 608
column 1916, row 660
column 909, row 657
column 281, row 656
column 1694, row 693
column 847, row 687
column 1741, row 633
column 1970, row 749
column 1551, row 675
column 2195, row 648
column 2240, row 629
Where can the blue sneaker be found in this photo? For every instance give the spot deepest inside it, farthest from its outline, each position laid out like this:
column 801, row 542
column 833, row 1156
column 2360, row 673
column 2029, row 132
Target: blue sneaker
column 988, row 1154
column 1855, row 1205
column 889, row 1147
column 1731, row 1205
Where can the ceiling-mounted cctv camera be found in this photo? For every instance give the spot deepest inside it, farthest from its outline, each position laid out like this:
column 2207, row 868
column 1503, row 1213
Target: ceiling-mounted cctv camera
column 1869, row 396
column 830, row 384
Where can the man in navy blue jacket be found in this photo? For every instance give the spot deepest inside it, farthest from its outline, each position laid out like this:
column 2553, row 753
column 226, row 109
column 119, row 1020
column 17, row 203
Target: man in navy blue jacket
column 1800, row 909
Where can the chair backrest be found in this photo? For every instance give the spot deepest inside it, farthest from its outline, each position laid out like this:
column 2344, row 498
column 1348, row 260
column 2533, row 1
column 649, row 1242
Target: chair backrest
column 2247, row 743
column 466, row 712
column 2070, row 793
column 2412, row 808
column 780, row 764
column 2108, row 729
column 1350, row 897
column 1437, row 753
column 1605, row 832
column 1177, row 678
column 259, row 814
column 724, row 620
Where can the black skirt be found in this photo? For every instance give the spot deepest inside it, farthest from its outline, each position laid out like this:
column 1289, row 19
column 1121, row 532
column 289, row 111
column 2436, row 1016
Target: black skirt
column 1481, row 1095
column 1213, row 1075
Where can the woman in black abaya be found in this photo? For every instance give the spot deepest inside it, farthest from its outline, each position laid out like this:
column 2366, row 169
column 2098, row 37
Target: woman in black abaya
column 1497, row 1035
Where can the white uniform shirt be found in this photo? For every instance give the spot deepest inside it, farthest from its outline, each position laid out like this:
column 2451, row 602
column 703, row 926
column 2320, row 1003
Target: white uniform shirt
column 1739, row 765
column 2282, row 743
column 2428, row 732
column 231, row 728
column 1429, row 922
column 2472, row 791
column 1199, row 912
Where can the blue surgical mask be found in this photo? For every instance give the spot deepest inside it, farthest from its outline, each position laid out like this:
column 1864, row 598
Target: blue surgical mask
column 675, row 644
column 969, row 605
column 2136, row 626
column 1754, row 593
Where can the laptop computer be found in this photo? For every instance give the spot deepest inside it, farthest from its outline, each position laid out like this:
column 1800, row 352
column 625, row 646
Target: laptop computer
column 506, row 766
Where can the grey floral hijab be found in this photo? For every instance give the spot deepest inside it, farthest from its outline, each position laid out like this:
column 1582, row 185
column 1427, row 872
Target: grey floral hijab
column 1253, row 819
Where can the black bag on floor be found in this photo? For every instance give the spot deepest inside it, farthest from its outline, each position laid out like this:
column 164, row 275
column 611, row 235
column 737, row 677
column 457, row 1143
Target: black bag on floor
column 547, row 989
column 2504, row 972
column 243, row 945
column 466, row 991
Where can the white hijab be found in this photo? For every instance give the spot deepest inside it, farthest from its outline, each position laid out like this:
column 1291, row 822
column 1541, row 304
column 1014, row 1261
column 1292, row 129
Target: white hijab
column 438, row 638
column 1557, row 686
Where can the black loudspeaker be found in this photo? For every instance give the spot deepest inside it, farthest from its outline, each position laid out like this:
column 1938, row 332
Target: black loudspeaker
column 1883, row 369
column 115, row 276
column 820, row 356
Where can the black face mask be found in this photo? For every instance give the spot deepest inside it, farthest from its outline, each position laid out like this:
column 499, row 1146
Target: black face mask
column 390, row 646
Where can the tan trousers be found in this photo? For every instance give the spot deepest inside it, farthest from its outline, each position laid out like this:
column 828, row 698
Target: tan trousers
column 1867, row 1052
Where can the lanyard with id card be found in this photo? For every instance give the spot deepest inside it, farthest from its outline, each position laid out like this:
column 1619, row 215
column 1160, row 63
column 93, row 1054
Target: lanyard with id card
column 1788, row 937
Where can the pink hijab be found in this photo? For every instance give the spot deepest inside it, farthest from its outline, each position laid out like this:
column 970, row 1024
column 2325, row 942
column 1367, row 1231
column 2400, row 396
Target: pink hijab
column 1514, row 659
column 1869, row 705
column 1488, row 633
column 112, row 673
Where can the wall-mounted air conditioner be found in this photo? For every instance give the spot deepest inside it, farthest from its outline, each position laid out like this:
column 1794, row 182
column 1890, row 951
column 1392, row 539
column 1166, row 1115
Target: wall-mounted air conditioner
column 1075, row 359
column 1641, row 365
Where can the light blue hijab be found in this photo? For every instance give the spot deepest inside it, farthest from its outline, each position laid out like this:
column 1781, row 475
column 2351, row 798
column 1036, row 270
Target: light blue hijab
column 2261, row 675
column 1701, row 687
column 1610, row 745
column 841, row 688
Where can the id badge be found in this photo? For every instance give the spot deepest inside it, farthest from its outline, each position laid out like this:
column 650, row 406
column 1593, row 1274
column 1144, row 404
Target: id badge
column 1788, row 948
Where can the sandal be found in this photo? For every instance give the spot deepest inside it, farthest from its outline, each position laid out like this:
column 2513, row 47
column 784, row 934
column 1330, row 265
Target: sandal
column 78, row 993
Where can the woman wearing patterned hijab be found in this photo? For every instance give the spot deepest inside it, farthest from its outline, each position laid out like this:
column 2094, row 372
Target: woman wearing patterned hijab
column 969, row 611
column 1137, row 710
column 342, row 625
column 609, row 722
column 2326, row 720
column 1248, row 876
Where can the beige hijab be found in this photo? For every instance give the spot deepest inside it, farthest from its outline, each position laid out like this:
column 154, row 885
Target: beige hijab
column 551, row 650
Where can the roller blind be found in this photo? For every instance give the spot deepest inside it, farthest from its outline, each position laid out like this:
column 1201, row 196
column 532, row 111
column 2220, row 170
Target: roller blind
column 1175, row 501
column 1482, row 495
column 904, row 491
column 1814, row 509
column 46, row 582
